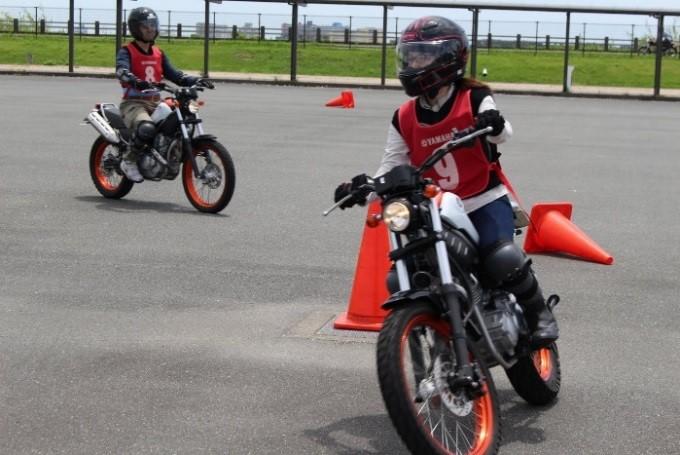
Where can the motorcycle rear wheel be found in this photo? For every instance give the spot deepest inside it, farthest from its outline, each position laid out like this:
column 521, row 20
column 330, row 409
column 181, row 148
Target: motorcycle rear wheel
column 537, row 378
column 213, row 190
column 107, row 177
column 414, row 355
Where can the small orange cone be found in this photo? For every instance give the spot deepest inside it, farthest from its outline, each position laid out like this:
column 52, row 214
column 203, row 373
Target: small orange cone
column 551, row 231
column 345, row 100
column 369, row 290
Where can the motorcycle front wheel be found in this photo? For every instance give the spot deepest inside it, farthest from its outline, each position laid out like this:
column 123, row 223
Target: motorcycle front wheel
column 105, row 171
column 212, row 190
column 415, row 356
column 537, row 377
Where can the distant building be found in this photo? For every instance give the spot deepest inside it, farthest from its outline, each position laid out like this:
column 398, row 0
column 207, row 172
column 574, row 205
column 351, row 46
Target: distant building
column 334, row 33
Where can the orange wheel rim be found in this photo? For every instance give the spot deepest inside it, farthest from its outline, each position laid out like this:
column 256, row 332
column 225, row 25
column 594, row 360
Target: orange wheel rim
column 543, row 363
column 102, row 178
column 191, row 186
column 194, row 192
column 483, row 408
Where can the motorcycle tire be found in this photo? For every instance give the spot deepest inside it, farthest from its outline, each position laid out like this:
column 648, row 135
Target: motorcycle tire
column 217, row 173
column 537, row 377
column 109, row 180
column 430, row 417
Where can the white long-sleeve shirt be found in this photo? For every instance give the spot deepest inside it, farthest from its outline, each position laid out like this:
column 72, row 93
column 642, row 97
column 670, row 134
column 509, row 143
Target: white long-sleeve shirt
column 397, row 152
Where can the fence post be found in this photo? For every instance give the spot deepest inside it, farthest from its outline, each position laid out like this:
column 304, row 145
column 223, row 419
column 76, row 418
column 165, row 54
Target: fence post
column 518, row 44
column 71, row 31
column 475, row 32
column 547, row 42
column 606, row 44
column 659, row 55
column 293, row 42
column 383, row 50
column 565, row 86
column 206, row 40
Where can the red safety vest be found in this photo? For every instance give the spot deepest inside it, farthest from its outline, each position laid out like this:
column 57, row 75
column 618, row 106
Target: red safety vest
column 147, row 67
column 465, row 171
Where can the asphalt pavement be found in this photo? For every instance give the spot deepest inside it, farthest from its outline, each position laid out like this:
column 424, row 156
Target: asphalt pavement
column 141, row 326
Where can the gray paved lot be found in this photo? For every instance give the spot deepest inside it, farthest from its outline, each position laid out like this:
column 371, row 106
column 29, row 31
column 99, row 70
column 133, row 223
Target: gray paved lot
column 142, row 327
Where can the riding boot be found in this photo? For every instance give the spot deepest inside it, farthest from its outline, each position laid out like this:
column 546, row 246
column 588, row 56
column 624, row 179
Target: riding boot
column 507, row 265
column 542, row 322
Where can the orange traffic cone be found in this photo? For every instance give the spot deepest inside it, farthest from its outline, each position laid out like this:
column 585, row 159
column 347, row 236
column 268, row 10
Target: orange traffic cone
column 551, row 230
column 345, row 100
column 369, row 290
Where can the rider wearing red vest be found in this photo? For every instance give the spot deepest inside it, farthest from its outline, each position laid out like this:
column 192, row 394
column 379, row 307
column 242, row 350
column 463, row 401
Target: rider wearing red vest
column 432, row 55
column 140, row 64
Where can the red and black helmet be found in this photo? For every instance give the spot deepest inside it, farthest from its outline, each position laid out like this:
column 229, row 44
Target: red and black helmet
column 432, row 52
column 139, row 17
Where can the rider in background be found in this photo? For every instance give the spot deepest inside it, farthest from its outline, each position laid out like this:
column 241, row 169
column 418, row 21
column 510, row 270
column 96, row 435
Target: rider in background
column 139, row 64
column 432, row 55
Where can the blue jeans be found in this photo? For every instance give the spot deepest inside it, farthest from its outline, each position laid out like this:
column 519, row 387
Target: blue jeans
column 494, row 223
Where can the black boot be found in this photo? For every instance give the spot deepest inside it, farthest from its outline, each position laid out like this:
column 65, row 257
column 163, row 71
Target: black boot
column 542, row 322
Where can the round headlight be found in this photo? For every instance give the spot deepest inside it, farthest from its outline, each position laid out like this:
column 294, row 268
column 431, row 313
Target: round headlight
column 397, row 216
column 194, row 106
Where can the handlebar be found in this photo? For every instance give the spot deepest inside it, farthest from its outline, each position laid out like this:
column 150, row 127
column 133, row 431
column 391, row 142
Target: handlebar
column 459, row 139
column 173, row 90
column 368, row 186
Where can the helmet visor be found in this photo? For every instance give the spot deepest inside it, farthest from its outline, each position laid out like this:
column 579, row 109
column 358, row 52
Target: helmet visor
column 417, row 55
column 150, row 24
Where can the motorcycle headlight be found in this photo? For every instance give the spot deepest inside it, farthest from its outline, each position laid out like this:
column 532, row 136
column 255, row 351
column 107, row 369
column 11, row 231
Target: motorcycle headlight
column 397, row 215
column 194, row 106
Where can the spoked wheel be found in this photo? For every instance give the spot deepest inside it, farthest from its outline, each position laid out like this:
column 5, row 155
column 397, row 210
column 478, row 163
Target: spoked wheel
column 211, row 191
column 105, row 170
column 415, row 357
column 537, row 377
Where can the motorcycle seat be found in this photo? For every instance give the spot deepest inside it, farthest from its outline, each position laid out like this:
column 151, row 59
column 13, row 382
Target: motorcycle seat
column 112, row 114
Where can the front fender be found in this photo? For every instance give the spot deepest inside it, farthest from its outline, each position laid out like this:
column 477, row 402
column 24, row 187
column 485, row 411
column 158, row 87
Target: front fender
column 406, row 297
column 203, row 137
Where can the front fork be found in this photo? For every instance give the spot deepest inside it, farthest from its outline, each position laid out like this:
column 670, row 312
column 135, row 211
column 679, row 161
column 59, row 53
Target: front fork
column 186, row 141
column 464, row 375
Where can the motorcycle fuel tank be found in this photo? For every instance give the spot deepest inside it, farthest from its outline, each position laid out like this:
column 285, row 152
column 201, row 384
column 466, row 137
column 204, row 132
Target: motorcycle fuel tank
column 452, row 210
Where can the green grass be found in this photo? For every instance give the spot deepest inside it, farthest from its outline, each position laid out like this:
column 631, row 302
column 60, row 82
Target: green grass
column 545, row 67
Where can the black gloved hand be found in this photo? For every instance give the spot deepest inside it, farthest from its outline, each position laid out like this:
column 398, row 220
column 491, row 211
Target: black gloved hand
column 141, row 85
column 491, row 118
column 207, row 83
column 359, row 195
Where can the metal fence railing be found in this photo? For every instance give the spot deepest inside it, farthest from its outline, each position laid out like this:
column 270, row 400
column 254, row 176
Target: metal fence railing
column 376, row 31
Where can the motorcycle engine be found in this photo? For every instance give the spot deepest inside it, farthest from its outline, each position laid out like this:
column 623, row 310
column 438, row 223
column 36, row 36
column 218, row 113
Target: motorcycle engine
column 505, row 321
column 150, row 168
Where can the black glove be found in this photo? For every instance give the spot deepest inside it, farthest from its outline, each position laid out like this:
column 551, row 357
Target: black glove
column 207, row 83
column 140, row 84
column 491, row 118
column 358, row 195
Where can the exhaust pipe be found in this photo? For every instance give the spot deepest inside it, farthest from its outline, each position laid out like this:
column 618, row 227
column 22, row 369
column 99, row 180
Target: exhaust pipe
column 102, row 126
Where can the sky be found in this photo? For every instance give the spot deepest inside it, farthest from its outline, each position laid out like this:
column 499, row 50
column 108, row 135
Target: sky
column 273, row 14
